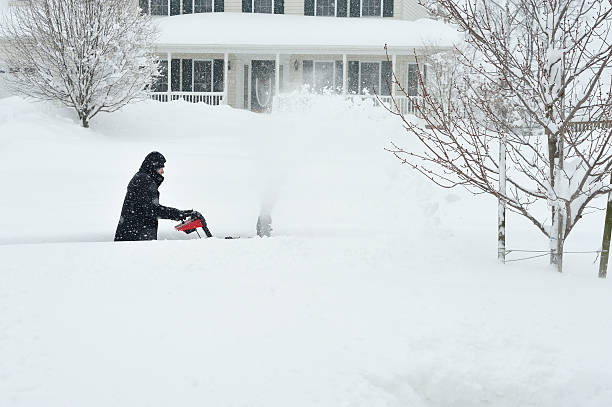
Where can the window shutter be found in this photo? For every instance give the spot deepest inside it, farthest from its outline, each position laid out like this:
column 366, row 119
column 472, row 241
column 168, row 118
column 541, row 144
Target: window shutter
column 218, row 75
column 219, row 6
column 309, row 7
column 355, row 8
column 353, row 77
column 187, row 6
column 175, row 78
column 341, row 8
column 279, row 6
column 247, row 6
column 386, row 76
column 144, row 6
column 412, row 80
column 387, row 8
column 307, row 67
column 175, row 7
column 187, row 78
column 338, row 76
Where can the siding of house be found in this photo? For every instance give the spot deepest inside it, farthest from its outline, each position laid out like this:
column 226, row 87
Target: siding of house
column 294, row 7
column 233, row 6
column 411, row 10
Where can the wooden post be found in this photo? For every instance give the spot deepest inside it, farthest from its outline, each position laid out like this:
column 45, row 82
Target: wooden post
column 344, row 74
column 605, row 245
column 225, row 78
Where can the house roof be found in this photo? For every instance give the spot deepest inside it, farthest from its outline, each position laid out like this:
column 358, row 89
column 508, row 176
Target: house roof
column 272, row 33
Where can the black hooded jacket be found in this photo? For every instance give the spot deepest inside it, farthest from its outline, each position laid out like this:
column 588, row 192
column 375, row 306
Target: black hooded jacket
column 141, row 208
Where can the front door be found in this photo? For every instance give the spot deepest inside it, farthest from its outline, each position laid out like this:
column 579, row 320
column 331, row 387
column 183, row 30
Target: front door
column 262, row 85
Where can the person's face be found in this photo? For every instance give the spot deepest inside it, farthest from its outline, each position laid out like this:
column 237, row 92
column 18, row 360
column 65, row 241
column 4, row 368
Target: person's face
column 161, row 171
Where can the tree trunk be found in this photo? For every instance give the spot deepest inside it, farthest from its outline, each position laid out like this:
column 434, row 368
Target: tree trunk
column 605, row 245
column 557, row 227
column 85, row 122
column 552, row 152
column 501, row 204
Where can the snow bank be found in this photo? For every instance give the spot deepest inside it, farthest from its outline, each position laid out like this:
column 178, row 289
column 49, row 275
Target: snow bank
column 321, row 174
column 234, row 30
column 291, row 321
column 377, row 289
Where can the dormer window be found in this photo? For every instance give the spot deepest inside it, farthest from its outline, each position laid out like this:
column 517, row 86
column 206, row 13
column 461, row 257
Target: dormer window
column 159, row 7
column 202, row 6
column 263, row 6
column 325, row 7
column 371, row 8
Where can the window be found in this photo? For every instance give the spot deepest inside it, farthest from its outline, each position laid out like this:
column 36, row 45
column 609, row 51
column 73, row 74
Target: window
column 325, row 7
column 323, row 75
column 202, row 6
column 369, row 78
column 412, row 79
column 161, row 84
column 202, row 76
column 263, row 6
column 159, row 7
column 371, row 8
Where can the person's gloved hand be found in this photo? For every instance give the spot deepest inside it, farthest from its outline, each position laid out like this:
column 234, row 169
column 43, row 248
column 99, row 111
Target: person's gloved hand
column 186, row 214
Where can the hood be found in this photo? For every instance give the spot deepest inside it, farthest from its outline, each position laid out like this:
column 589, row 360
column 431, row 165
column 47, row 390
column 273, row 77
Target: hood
column 153, row 162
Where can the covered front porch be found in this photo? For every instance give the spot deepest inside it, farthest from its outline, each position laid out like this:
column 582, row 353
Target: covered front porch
column 253, row 81
column 246, row 60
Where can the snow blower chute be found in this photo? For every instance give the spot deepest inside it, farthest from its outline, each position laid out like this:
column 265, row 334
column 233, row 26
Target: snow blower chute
column 192, row 223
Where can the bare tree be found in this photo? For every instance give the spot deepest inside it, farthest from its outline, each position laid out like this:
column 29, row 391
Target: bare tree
column 540, row 66
column 92, row 55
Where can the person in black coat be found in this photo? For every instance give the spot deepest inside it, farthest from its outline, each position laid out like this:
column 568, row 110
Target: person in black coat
column 141, row 208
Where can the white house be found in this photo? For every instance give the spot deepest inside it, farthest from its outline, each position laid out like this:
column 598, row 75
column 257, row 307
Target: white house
column 244, row 52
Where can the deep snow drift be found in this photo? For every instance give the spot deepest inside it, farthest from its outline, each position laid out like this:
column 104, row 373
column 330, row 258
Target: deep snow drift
column 377, row 290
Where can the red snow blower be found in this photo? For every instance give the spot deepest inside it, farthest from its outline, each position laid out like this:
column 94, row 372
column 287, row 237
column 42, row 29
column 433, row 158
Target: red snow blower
column 192, row 223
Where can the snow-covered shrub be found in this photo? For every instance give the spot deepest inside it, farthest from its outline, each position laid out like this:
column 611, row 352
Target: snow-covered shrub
column 92, row 55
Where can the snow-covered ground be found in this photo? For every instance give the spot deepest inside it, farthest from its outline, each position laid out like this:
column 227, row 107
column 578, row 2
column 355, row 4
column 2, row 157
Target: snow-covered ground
column 377, row 289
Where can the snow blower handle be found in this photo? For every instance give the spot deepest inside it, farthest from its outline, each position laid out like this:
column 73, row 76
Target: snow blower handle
column 198, row 215
column 192, row 221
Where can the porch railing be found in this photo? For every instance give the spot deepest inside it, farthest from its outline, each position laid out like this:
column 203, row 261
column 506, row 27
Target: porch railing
column 582, row 126
column 405, row 104
column 211, row 98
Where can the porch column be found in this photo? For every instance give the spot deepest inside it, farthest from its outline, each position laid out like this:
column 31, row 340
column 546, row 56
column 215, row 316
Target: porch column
column 344, row 74
column 225, row 78
column 169, row 75
column 277, row 74
column 393, row 67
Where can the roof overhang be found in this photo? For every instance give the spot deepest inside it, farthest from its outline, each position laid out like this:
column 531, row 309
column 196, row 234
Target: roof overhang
column 247, row 33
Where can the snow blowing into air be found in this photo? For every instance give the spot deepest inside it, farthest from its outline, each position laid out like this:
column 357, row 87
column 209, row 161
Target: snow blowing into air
column 305, row 203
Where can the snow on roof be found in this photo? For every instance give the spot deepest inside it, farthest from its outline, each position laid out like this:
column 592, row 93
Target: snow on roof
column 235, row 32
